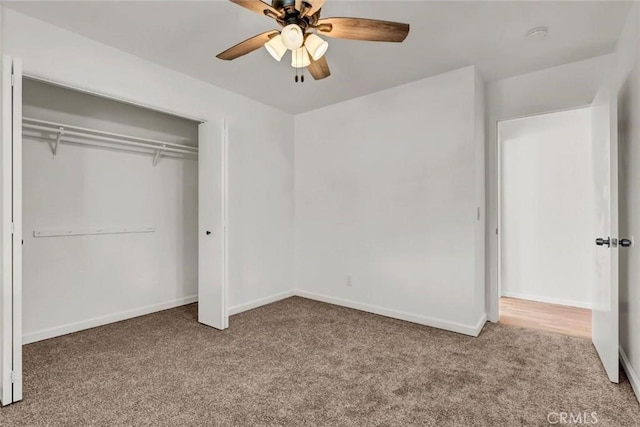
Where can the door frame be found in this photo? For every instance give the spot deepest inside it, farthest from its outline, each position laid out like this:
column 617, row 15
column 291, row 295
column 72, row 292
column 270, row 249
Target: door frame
column 223, row 197
column 224, row 161
column 222, row 137
column 495, row 286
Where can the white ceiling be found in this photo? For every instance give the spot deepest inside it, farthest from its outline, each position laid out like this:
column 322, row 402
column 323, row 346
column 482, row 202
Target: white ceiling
column 186, row 36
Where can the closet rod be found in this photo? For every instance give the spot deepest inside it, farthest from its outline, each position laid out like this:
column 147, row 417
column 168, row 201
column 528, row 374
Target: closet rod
column 76, row 137
column 104, row 136
column 104, row 145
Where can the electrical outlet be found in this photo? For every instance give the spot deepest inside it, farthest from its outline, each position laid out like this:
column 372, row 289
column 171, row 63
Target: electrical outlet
column 349, row 281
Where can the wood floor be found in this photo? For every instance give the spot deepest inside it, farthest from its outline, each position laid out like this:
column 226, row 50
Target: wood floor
column 547, row 317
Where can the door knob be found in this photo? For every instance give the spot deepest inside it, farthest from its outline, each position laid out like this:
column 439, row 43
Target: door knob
column 601, row 242
column 625, row 243
column 208, row 232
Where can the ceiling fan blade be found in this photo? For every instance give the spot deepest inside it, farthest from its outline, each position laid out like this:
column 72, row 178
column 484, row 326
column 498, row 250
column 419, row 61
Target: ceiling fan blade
column 249, row 45
column 319, row 69
column 257, row 6
column 299, row 5
column 316, row 5
column 363, row 29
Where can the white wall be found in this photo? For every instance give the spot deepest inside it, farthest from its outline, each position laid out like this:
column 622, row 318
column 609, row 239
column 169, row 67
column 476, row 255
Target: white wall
column 547, row 214
column 386, row 197
column 264, row 132
column 628, row 82
column 260, row 211
column 558, row 88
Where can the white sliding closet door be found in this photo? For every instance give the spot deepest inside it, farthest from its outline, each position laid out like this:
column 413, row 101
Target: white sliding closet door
column 212, row 229
column 11, row 233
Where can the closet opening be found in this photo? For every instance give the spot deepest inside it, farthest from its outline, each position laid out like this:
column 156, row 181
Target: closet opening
column 546, row 221
column 109, row 210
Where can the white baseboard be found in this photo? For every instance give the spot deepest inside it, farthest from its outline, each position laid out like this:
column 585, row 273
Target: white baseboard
column 259, row 302
column 634, row 379
column 558, row 301
column 478, row 328
column 103, row 320
column 473, row 330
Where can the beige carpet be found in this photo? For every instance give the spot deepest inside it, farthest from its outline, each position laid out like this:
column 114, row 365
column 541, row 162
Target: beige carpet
column 303, row 363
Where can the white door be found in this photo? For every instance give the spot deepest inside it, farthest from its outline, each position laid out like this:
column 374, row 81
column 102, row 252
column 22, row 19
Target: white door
column 212, row 213
column 11, row 233
column 605, row 167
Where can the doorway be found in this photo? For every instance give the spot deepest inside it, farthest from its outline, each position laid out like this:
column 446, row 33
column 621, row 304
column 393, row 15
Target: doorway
column 547, row 218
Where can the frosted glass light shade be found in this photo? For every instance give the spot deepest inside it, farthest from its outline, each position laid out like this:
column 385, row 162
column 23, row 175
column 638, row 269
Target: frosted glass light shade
column 292, row 36
column 316, row 46
column 276, row 48
column 300, row 58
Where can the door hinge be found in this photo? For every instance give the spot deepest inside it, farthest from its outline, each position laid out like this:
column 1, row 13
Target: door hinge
column 13, row 79
column 13, row 377
column 13, row 228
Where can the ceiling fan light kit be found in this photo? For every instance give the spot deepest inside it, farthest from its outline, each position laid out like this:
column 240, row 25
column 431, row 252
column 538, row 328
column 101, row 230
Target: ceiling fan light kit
column 300, row 58
column 276, row 47
column 300, row 21
column 316, row 46
column 292, row 36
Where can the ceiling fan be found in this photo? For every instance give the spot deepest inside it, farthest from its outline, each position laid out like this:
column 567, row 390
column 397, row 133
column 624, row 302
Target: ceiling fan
column 301, row 23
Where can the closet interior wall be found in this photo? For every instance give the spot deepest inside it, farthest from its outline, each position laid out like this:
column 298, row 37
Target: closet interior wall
column 75, row 282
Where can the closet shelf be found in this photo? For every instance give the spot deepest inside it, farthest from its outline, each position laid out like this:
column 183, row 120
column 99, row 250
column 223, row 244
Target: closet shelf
column 56, row 133
column 62, row 232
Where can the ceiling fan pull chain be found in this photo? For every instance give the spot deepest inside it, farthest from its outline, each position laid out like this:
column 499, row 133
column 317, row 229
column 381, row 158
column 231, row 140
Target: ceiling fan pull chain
column 301, row 54
column 302, row 69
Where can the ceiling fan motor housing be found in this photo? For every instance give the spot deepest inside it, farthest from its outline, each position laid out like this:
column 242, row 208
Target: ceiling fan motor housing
column 291, row 14
column 280, row 4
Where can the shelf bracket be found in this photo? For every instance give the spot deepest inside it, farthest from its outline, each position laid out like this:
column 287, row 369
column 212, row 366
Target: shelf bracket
column 54, row 148
column 156, row 158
